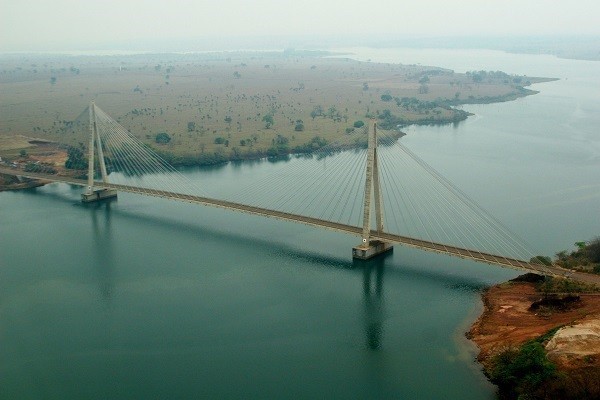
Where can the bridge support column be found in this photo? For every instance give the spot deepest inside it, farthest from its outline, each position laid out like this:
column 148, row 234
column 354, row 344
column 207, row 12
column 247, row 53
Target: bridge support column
column 91, row 193
column 371, row 248
column 98, row 194
column 374, row 248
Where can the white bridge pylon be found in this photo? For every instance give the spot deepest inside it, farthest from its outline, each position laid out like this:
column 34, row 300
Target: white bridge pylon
column 91, row 193
column 371, row 248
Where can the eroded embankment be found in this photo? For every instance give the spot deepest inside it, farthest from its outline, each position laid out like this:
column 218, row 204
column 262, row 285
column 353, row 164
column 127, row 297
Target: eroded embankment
column 517, row 317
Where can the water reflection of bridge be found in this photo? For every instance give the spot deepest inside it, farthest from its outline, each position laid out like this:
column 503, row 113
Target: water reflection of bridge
column 373, row 300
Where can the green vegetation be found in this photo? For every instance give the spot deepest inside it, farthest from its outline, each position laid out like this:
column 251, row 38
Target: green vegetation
column 559, row 285
column 162, row 138
column 314, row 144
column 521, row 372
column 41, row 168
column 586, row 257
column 544, row 260
column 268, row 120
column 76, row 158
column 525, row 373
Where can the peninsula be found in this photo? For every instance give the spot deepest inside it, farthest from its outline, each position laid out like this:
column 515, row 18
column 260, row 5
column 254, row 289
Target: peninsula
column 198, row 109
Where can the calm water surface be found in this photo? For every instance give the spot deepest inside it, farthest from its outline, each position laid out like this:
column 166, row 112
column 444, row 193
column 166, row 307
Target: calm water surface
column 534, row 163
column 149, row 298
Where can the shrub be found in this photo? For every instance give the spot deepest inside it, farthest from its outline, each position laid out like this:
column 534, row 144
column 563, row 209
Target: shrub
column 541, row 260
column 593, row 250
column 162, row 138
column 520, row 372
column 75, row 159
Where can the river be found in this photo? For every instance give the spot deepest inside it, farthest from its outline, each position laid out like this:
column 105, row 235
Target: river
column 149, row 298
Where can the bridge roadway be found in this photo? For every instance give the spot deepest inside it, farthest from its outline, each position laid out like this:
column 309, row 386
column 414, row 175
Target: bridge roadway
column 353, row 230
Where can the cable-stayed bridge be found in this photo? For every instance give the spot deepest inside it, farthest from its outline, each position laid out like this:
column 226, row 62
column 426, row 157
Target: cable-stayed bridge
column 365, row 184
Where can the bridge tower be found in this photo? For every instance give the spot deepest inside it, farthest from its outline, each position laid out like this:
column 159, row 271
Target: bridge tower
column 371, row 248
column 93, row 193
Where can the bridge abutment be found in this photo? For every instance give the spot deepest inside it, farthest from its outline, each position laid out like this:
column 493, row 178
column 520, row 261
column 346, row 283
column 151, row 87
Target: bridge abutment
column 373, row 249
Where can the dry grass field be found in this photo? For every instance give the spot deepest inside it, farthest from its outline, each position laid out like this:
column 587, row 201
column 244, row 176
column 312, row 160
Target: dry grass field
column 222, row 103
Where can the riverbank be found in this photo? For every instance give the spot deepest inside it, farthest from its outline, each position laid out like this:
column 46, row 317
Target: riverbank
column 564, row 328
column 13, row 183
column 217, row 107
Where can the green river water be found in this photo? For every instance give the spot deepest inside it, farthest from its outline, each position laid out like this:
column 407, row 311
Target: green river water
column 146, row 298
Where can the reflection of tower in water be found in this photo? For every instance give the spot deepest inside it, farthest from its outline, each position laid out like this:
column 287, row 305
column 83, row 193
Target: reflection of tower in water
column 103, row 248
column 373, row 300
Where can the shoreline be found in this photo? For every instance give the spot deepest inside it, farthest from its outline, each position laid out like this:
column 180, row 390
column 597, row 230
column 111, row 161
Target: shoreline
column 219, row 159
column 508, row 321
column 468, row 349
column 24, row 185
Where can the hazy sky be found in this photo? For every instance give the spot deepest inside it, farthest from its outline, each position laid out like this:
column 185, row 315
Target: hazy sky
column 38, row 25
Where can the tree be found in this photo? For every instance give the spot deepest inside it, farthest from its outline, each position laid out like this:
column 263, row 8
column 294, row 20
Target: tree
column 162, row 138
column 281, row 140
column 191, row 126
column 316, row 112
column 332, row 112
column 593, row 250
column 75, row 158
column 521, row 371
column 23, row 153
column 53, row 80
column 365, row 86
column 545, row 260
column 237, row 75
column 299, row 125
column 359, row 124
column 268, row 120
column 386, row 97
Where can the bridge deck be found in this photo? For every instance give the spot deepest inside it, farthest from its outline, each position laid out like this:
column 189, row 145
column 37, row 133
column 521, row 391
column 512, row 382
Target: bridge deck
column 354, row 230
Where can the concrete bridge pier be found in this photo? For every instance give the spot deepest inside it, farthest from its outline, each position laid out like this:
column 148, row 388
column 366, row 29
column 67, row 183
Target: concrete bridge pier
column 93, row 195
column 373, row 249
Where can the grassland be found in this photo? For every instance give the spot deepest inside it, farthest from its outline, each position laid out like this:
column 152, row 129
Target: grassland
column 219, row 106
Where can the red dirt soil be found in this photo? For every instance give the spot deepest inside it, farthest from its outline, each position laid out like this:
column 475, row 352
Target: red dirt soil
column 508, row 321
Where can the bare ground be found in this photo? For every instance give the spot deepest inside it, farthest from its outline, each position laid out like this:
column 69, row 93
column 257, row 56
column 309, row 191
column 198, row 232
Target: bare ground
column 508, row 321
